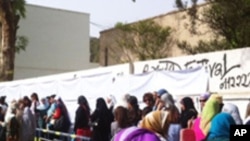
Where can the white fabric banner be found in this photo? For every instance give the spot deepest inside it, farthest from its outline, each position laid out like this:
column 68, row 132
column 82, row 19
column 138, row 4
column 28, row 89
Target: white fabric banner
column 186, row 82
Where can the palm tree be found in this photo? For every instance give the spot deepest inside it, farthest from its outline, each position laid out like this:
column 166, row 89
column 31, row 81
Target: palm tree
column 10, row 13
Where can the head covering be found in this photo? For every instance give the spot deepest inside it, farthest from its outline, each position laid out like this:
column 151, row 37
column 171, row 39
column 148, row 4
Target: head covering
column 101, row 105
column 135, row 134
column 188, row 112
column 44, row 104
column 52, row 96
column 205, row 96
column 167, row 99
column 188, row 103
column 233, row 111
column 220, row 126
column 161, row 92
column 156, row 121
column 211, row 108
column 83, row 101
column 112, row 99
column 3, row 97
column 11, row 111
column 122, row 101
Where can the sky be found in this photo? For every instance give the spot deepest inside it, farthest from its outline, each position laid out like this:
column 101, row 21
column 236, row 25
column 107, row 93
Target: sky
column 104, row 14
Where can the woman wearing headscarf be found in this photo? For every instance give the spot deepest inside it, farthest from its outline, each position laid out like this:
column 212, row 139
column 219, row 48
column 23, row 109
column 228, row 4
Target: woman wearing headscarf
column 199, row 136
column 28, row 121
column 153, row 128
column 134, row 133
column 111, row 101
column 188, row 111
column 211, row 108
column 82, row 118
column 62, row 120
column 42, row 111
column 167, row 103
column 34, row 104
column 11, row 123
column 220, row 127
column 122, row 101
column 101, row 119
column 233, row 111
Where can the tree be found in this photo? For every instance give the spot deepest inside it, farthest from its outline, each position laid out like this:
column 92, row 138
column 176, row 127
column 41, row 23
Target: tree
column 94, row 49
column 229, row 21
column 143, row 40
column 10, row 13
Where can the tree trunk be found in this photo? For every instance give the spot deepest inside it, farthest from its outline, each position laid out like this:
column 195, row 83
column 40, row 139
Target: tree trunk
column 9, row 22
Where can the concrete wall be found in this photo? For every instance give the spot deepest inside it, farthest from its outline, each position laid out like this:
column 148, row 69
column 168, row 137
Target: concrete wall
column 58, row 42
column 178, row 21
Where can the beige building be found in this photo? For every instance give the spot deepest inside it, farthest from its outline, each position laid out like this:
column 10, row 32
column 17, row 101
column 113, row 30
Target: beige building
column 178, row 21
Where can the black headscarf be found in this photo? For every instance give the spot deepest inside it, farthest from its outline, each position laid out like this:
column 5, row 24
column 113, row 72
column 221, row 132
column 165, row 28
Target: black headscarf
column 189, row 111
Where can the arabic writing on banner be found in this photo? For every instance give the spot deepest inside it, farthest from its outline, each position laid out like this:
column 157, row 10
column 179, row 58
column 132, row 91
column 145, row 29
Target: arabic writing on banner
column 228, row 70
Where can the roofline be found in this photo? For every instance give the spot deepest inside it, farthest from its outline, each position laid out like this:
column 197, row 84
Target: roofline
column 158, row 16
column 58, row 9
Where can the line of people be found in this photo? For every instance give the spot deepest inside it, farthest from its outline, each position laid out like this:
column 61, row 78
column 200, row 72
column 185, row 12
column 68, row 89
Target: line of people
column 170, row 124
column 19, row 120
column 162, row 119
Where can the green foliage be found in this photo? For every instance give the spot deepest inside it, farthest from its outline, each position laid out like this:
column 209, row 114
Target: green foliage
column 203, row 46
column 21, row 43
column 229, row 21
column 19, row 7
column 94, row 50
column 180, row 4
column 146, row 39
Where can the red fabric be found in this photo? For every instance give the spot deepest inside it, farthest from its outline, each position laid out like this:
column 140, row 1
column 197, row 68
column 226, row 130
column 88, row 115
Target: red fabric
column 187, row 135
column 57, row 114
column 86, row 132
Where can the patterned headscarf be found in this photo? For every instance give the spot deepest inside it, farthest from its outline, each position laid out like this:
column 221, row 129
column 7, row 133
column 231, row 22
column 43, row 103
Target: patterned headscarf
column 156, row 121
column 211, row 108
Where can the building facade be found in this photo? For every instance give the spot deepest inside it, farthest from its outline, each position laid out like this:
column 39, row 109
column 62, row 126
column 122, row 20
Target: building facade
column 58, row 42
column 178, row 21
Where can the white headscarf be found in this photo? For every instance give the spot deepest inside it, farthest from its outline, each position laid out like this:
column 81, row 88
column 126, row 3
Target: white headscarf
column 44, row 105
column 233, row 111
column 10, row 111
column 122, row 101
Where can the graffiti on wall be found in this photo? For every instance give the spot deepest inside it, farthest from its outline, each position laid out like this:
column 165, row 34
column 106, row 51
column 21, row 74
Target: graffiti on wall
column 220, row 69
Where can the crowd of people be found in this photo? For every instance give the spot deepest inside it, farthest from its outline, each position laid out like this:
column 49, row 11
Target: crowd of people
column 161, row 119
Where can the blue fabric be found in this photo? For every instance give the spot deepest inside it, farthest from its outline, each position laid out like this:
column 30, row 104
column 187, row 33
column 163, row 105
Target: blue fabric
column 161, row 92
column 220, row 126
column 51, row 109
column 174, row 132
